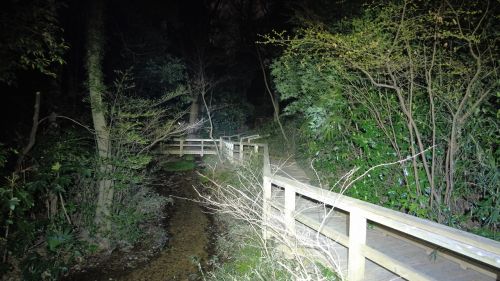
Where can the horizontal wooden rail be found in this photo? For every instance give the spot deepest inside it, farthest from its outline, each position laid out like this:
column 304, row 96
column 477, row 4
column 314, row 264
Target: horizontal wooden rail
column 191, row 146
column 249, row 138
column 471, row 245
column 474, row 247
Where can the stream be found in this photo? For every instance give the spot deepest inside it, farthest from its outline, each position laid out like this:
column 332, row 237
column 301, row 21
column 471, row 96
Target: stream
column 189, row 238
column 190, row 232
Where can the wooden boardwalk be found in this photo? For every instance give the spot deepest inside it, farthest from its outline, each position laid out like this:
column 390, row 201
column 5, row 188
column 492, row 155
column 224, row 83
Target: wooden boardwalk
column 367, row 242
column 434, row 263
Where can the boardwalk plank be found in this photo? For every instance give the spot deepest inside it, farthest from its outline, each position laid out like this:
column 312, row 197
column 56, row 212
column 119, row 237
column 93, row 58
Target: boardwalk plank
column 395, row 250
column 398, row 248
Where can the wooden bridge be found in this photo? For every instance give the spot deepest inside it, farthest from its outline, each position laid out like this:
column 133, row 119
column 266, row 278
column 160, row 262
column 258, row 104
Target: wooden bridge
column 370, row 242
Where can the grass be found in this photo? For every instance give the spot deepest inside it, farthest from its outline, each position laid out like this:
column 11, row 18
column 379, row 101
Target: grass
column 244, row 259
column 241, row 257
column 241, row 253
column 185, row 163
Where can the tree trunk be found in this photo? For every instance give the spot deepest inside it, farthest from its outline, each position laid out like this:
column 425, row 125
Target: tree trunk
column 193, row 116
column 274, row 101
column 34, row 129
column 450, row 161
column 96, row 86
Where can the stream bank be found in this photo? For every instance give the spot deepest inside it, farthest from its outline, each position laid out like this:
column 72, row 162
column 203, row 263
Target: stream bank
column 188, row 248
column 189, row 232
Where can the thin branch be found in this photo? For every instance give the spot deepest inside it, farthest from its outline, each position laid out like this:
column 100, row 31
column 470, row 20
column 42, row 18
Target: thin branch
column 375, row 83
column 51, row 117
column 34, row 129
column 384, row 165
column 268, row 89
column 177, row 131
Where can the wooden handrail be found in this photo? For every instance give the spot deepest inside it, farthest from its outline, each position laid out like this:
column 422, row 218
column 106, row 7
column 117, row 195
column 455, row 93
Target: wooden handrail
column 196, row 140
column 470, row 245
column 249, row 138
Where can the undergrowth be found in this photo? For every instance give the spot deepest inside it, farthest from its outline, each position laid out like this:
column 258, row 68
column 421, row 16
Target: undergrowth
column 233, row 193
column 185, row 163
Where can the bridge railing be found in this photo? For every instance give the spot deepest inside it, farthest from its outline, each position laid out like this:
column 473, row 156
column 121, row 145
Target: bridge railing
column 473, row 248
column 191, row 146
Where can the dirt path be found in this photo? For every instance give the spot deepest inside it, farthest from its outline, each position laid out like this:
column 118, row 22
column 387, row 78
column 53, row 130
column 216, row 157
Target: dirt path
column 188, row 242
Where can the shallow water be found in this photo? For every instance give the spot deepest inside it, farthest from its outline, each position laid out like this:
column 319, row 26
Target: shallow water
column 189, row 241
column 188, row 247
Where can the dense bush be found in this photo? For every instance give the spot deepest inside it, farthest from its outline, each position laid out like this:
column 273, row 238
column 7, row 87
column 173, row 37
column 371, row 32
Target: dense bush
column 39, row 209
column 48, row 205
column 229, row 113
column 403, row 81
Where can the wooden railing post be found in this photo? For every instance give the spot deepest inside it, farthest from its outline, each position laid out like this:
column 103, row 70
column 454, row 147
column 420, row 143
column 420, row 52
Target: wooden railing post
column 266, row 206
column 290, row 210
column 266, row 191
column 231, row 146
column 202, row 148
column 256, row 149
column 357, row 239
column 181, row 147
column 220, row 145
column 241, row 150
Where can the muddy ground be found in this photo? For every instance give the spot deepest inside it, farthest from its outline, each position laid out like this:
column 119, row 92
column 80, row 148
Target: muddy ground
column 189, row 241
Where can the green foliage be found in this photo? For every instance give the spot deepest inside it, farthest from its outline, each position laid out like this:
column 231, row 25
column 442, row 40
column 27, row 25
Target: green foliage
column 179, row 165
column 390, row 84
column 160, row 75
column 3, row 155
column 59, row 164
column 62, row 250
column 55, row 198
column 244, row 262
column 328, row 274
column 136, row 208
column 31, row 38
column 338, row 130
column 229, row 112
column 137, row 124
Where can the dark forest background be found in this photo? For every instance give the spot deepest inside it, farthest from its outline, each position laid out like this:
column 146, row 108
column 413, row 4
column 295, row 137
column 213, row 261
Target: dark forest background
column 89, row 88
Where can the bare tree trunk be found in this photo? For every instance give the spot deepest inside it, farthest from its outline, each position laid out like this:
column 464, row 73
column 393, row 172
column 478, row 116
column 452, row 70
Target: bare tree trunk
column 193, row 115
column 34, row 129
column 400, row 96
column 430, row 92
column 96, row 89
column 459, row 117
column 410, row 111
column 273, row 101
column 450, row 167
column 211, row 132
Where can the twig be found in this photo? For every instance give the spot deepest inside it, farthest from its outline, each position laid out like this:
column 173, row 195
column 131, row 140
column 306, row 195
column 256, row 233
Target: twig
column 34, row 129
column 67, row 118
column 64, row 209
column 385, row 164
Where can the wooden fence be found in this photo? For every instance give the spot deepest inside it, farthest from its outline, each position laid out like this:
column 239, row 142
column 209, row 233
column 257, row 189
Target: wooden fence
column 471, row 247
